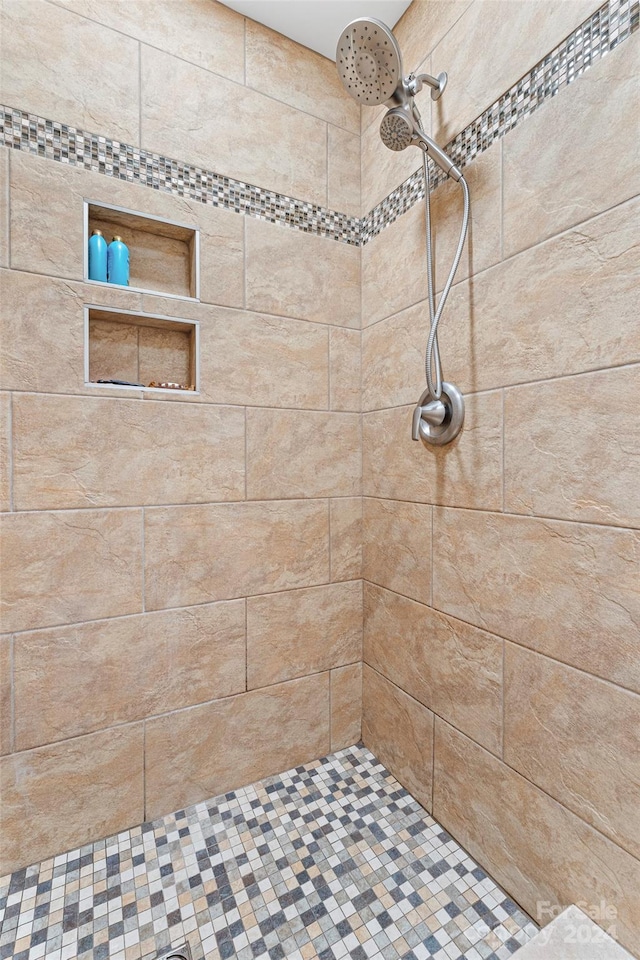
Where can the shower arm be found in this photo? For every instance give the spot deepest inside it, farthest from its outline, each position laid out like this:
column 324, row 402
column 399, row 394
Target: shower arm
column 415, row 83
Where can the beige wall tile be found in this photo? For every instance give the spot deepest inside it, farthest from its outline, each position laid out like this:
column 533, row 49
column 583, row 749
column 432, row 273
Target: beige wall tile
column 345, row 516
column 71, row 566
column 195, row 554
column 165, row 356
column 125, row 669
column 274, row 145
column 302, row 454
column 265, row 732
column 492, row 570
column 49, row 68
column 296, row 274
column 552, row 466
column 467, row 472
column 564, row 186
column 503, row 328
column 423, row 25
column 42, row 330
column 4, row 208
column 53, row 798
column 296, row 75
column 387, row 285
column 6, row 704
column 5, row 452
column 449, row 666
column 251, row 358
column 557, row 858
column 483, row 243
column 113, row 351
column 167, row 453
column 489, row 48
column 399, row 731
column 578, row 738
column 47, row 202
column 346, row 706
column 343, row 171
column 345, row 364
column 300, row 632
column 205, row 33
column 393, row 358
column 397, row 546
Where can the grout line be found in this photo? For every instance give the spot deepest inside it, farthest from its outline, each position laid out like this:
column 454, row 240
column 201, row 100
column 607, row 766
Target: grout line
column 144, row 770
column 7, row 223
column 432, row 569
column 330, row 672
column 246, row 644
column 503, row 392
column 10, row 451
column 188, row 707
column 536, row 786
column 433, row 760
column 504, row 644
column 318, row 498
column 329, row 539
column 246, row 457
column 12, row 705
column 497, row 636
column 186, row 607
column 140, row 93
column 329, row 403
column 244, row 264
column 326, row 143
column 144, row 586
column 501, row 199
column 244, row 51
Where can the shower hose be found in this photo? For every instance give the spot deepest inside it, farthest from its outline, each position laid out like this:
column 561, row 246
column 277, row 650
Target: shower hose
column 432, row 358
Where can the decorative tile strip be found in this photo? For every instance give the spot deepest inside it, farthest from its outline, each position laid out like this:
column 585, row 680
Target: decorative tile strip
column 77, row 148
column 600, row 33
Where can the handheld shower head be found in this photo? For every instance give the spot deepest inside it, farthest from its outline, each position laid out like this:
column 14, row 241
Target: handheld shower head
column 396, row 129
column 369, row 61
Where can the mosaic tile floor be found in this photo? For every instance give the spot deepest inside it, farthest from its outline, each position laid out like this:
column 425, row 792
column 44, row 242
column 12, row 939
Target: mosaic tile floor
column 332, row 860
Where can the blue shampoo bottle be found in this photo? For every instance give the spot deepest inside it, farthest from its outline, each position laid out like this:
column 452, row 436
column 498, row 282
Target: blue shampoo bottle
column 97, row 256
column 118, row 262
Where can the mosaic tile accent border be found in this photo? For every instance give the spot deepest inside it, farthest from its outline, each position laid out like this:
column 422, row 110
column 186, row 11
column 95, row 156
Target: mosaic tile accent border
column 331, row 860
column 600, row 33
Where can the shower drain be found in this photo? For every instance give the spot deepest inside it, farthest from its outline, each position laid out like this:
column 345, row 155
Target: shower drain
column 183, row 952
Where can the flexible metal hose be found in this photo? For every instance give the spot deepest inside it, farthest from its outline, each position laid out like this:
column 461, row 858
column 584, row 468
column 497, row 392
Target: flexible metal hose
column 432, row 358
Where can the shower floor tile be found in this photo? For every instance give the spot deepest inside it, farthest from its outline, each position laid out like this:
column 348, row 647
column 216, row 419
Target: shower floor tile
column 332, row 859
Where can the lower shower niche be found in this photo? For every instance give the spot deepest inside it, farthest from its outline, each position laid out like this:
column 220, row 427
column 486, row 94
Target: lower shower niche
column 125, row 350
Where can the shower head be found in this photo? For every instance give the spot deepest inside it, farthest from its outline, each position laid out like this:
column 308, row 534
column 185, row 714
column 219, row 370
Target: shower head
column 396, row 129
column 369, row 61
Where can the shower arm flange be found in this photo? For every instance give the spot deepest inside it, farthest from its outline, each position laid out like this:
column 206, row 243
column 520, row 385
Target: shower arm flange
column 437, row 84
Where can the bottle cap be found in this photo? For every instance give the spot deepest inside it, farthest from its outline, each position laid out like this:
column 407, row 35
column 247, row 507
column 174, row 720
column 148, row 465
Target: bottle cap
column 117, row 238
column 96, row 233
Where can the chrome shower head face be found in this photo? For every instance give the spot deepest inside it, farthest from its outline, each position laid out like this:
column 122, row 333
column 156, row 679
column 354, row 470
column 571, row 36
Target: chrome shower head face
column 368, row 61
column 396, row 130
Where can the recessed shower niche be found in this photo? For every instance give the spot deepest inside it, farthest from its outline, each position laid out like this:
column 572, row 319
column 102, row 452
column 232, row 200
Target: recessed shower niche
column 164, row 255
column 140, row 349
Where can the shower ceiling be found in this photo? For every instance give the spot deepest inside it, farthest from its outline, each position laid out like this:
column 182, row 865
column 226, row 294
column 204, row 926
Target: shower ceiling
column 317, row 23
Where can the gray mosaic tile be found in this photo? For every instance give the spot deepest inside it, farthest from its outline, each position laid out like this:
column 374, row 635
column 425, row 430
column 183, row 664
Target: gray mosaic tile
column 332, row 860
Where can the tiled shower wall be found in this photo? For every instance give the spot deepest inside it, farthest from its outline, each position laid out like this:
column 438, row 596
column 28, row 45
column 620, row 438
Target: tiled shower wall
column 193, row 618
column 136, row 675
column 501, row 643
